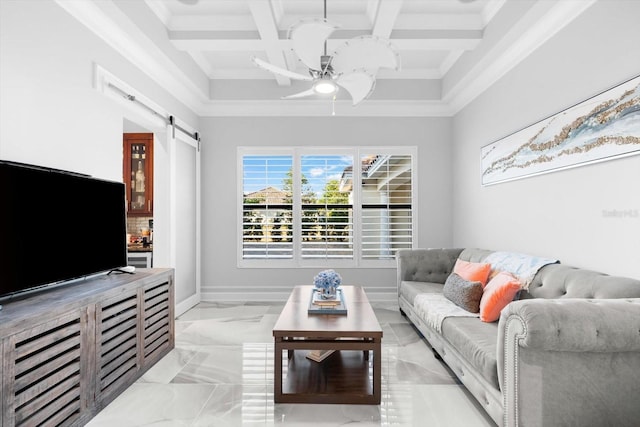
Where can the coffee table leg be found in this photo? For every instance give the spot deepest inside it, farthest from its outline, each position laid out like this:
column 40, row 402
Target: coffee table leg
column 277, row 371
column 289, row 352
column 377, row 374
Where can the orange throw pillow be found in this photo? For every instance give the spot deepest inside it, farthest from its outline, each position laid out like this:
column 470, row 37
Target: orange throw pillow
column 499, row 292
column 472, row 271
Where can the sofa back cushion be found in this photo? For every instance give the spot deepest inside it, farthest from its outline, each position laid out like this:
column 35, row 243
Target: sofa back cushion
column 474, row 254
column 426, row 265
column 563, row 281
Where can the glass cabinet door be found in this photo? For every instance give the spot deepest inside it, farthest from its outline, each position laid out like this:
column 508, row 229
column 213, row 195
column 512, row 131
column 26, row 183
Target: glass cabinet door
column 138, row 164
column 138, row 195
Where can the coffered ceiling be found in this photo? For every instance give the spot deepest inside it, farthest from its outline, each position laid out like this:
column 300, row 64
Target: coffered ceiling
column 450, row 50
column 221, row 35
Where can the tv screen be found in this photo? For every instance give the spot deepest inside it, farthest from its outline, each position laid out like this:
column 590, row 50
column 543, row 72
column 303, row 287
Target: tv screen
column 56, row 226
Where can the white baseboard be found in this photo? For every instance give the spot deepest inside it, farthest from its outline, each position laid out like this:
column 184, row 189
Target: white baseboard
column 280, row 294
column 185, row 305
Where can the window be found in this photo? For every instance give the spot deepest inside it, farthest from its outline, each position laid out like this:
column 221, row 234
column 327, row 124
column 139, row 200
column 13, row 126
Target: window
column 386, row 194
column 327, row 211
column 267, row 207
column 302, row 207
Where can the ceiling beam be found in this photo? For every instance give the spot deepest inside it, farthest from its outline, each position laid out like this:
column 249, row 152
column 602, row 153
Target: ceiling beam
column 449, row 61
column 491, row 9
column 265, row 20
column 439, row 21
column 404, row 21
column 383, row 74
column 434, row 42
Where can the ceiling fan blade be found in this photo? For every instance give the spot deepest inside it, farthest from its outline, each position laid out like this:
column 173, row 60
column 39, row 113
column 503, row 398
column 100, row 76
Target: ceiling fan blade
column 307, row 39
column 302, row 94
column 359, row 84
column 277, row 70
column 365, row 52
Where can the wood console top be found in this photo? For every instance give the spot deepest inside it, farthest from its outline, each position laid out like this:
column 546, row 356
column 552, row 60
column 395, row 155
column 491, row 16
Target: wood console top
column 49, row 303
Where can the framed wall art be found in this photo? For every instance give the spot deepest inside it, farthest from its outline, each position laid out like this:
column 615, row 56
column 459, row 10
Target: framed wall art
column 604, row 127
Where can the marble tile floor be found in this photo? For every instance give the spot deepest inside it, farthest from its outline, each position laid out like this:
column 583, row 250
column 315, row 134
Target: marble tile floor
column 221, row 374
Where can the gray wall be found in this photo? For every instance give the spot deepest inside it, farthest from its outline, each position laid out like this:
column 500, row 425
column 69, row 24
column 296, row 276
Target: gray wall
column 558, row 214
column 50, row 113
column 222, row 136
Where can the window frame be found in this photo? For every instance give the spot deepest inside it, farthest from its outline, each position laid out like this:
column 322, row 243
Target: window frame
column 356, row 152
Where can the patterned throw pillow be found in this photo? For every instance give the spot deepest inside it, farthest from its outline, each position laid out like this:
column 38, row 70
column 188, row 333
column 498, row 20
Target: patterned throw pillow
column 463, row 293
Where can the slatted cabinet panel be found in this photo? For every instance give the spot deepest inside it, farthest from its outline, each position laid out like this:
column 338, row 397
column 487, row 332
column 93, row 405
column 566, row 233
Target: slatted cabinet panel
column 117, row 344
column 68, row 352
column 158, row 330
column 47, row 384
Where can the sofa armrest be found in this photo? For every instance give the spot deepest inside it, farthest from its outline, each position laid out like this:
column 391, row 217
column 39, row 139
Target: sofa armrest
column 553, row 354
column 604, row 325
column 425, row 265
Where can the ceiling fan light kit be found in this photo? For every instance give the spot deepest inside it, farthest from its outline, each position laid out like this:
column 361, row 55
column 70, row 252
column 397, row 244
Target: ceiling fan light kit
column 353, row 66
column 325, row 87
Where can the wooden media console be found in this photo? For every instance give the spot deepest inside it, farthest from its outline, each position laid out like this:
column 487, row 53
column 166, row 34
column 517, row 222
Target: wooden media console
column 70, row 350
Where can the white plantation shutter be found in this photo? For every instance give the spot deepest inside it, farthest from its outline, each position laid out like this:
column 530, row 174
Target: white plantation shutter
column 352, row 206
column 267, row 230
column 327, row 216
column 386, row 201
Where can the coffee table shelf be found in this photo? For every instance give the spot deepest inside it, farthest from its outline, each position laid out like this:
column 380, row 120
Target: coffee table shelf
column 344, row 374
column 351, row 375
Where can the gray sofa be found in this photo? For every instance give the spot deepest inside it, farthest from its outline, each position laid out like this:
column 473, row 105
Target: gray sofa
column 566, row 353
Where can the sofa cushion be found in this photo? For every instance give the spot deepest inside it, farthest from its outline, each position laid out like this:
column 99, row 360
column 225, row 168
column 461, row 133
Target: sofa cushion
column 409, row 289
column 476, row 342
column 426, row 265
column 463, row 293
column 472, row 271
column 563, row 281
column 474, row 254
column 499, row 292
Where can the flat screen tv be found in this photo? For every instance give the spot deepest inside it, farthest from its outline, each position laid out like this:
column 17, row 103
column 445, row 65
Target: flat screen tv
column 56, row 226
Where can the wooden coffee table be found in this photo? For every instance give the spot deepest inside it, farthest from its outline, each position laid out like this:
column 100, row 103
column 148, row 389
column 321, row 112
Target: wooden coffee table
column 347, row 376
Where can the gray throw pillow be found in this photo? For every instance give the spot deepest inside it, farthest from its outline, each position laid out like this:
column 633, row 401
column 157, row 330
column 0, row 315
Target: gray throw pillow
column 463, row 293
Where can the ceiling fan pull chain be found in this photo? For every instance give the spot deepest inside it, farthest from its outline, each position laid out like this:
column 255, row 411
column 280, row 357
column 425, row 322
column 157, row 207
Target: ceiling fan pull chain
column 333, row 106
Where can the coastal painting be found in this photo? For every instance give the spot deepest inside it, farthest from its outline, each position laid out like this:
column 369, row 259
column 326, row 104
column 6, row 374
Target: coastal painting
column 604, row 127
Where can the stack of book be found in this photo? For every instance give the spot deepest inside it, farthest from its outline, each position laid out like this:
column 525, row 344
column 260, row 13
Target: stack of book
column 318, row 300
column 319, row 355
column 318, row 305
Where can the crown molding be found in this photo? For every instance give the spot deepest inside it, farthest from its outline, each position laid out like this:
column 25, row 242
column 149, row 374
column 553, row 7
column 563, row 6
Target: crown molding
column 511, row 51
column 324, row 108
column 135, row 47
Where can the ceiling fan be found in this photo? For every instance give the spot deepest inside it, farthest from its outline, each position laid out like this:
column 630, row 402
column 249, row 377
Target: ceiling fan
column 353, row 66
